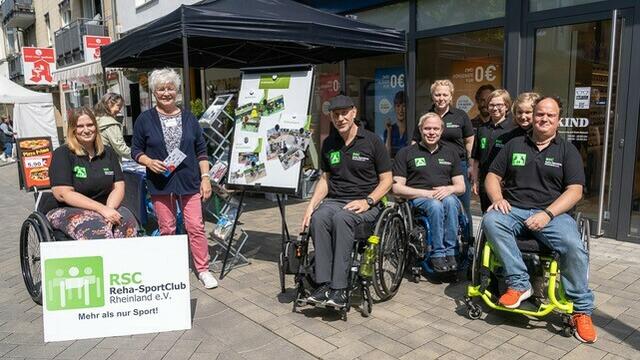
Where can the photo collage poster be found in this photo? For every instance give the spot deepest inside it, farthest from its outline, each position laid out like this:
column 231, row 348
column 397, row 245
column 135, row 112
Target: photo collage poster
column 272, row 130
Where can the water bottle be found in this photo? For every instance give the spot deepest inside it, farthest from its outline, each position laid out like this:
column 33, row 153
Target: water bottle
column 369, row 257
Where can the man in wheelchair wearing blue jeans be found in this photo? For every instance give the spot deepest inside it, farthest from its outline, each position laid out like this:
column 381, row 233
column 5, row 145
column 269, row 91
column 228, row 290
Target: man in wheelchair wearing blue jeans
column 356, row 175
column 429, row 174
column 532, row 184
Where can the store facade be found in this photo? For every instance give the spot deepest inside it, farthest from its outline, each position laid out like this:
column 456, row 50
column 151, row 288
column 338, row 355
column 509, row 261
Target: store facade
column 578, row 50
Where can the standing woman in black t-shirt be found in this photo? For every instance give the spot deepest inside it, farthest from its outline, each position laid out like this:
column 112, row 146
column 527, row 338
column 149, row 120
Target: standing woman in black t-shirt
column 87, row 179
column 458, row 133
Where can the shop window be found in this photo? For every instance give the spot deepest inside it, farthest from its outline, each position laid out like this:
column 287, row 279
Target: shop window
column 391, row 16
column 540, row 5
column 373, row 83
column 469, row 60
column 433, row 14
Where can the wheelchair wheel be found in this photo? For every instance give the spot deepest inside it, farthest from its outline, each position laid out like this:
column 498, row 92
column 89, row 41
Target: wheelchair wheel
column 35, row 230
column 389, row 265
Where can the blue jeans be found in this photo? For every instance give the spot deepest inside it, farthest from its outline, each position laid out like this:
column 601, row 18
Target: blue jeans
column 561, row 234
column 466, row 197
column 8, row 148
column 443, row 223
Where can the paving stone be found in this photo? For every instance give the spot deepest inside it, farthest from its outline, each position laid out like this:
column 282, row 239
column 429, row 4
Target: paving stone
column 462, row 346
column 35, row 351
column 505, row 351
column 454, row 355
column 584, row 351
column 537, row 347
column 98, row 354
column 617, row 349
column 377, row 355
column 351, row 351
column 454, row 329
column 311, row 343
column 132, row 354
column 386, row 328
column 5, row 348
column 430, row 350
column 420, row 337
column 493, row 338
column 78, row 349
column 533, row 356
column 183, row 349
column 345, row 337
column 388, row 345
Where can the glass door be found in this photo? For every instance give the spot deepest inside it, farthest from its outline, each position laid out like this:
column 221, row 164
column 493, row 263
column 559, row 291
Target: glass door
column 573, row 62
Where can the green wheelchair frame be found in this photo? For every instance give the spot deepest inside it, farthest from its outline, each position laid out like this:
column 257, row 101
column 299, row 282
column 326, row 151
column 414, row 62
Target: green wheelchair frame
column 486, row 263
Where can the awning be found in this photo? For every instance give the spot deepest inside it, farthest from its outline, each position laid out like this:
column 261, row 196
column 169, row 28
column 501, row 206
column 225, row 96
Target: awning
column 250, row 33
column 78, row 71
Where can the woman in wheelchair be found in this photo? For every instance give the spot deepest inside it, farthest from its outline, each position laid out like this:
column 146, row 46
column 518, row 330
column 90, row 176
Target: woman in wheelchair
column 87, row 180
column 532, row 184
column 429, row 174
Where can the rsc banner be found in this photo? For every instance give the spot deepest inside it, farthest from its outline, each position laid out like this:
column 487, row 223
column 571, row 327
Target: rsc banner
column 388, row 83
column 103, row 288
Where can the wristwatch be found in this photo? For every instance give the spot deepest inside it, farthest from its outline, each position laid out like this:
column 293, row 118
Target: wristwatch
column 370, row 201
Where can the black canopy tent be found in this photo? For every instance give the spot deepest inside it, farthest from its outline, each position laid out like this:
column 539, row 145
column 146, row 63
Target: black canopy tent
column 248, row 33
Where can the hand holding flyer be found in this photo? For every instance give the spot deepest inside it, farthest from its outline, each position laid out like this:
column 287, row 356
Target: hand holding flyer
column 173, row 161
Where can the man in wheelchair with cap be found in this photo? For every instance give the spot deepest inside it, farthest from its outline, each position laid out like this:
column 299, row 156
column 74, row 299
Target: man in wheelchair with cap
column 429, row 174
column 532, row 184
column 356, row 175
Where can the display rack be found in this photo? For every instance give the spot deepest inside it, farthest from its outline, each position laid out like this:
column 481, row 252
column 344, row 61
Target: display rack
column 226, row 237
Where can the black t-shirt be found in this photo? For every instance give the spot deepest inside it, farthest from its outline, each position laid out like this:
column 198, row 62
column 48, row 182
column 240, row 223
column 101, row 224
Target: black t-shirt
column 490, row 139
column 534, row 179
column 93, row 178
column 353, row 169
column 457, row 127
column 426, row 170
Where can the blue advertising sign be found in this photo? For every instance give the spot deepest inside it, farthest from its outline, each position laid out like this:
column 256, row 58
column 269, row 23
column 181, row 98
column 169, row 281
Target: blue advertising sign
column 390, row 103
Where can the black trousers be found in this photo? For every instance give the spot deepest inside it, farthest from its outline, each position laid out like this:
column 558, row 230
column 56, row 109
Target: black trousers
column 332, row 229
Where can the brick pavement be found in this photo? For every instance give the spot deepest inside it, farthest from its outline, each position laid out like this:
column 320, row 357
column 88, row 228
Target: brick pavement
column 247, row 317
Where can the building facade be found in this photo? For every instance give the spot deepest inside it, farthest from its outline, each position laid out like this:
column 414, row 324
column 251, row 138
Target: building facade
column 582, row 51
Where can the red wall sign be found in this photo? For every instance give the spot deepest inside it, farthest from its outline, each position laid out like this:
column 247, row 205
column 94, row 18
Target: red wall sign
column 38, row 63
column 92, row 46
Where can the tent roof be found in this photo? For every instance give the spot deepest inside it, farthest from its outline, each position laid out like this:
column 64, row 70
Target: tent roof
column 12, row 93
column 248, row 33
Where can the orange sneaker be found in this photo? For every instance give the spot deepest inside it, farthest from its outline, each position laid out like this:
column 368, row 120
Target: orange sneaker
column 585, row 331
column 512, row 298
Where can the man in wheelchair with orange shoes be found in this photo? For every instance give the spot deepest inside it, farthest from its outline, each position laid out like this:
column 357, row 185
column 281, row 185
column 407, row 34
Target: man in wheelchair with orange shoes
column 532, row 184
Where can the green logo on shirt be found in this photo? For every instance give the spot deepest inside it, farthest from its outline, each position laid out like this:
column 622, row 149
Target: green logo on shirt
column 518, row 159
column 80, row 172
column 334, row 157
column 420, row 162
column 483, row 143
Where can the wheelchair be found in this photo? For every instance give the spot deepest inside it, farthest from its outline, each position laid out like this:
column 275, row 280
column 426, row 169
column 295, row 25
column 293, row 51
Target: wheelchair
column 419, row 243
column 542, row 266
column 388, row 267
column 35, row 230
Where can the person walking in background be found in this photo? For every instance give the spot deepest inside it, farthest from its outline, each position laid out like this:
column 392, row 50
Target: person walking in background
column 158, row 132
column 110, row 129
column 8, row 138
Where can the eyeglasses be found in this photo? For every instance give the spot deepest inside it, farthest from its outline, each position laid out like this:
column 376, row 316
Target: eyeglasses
column 496, row 106
column 161, row 90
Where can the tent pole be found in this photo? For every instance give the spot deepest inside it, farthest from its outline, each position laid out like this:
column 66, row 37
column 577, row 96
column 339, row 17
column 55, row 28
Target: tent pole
column 104, row 79
column 185, row 74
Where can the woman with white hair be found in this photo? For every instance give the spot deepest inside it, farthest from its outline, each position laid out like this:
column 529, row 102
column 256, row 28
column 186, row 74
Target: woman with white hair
column 158, row 132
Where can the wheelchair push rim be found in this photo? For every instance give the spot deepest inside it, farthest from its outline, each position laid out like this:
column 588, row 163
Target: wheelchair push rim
column 389, row 269
column 33, row 232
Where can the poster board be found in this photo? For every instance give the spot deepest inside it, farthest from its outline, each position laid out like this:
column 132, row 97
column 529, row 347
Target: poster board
column 38, row 64
column 34, row 156
column 388, row 82
column 103, row 288
column 272, row 129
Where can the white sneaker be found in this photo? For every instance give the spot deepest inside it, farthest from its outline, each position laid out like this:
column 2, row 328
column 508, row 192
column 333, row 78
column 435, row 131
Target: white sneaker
column 207, row 280
column 3, row 157
column 11, row 160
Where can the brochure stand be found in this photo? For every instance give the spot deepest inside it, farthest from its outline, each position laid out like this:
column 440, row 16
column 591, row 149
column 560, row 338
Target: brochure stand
column 217, row 130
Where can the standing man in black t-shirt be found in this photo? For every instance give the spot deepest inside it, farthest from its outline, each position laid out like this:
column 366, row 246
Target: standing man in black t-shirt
column 543, row 178
column 356, row 175
column 429, row 175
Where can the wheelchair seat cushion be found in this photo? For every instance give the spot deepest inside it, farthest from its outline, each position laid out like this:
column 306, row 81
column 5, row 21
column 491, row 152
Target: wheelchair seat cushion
column 531, row 245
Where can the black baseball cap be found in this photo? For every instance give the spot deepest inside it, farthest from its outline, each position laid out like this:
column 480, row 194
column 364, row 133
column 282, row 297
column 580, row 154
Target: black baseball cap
column 341, row 102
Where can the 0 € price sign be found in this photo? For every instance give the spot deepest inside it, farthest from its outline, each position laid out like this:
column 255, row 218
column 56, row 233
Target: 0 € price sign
column 485, row 73
column 396, row 81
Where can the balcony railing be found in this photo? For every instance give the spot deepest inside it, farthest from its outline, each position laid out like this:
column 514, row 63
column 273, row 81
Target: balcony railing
column 15, row 67
column 17, row 13
column 69, row 46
